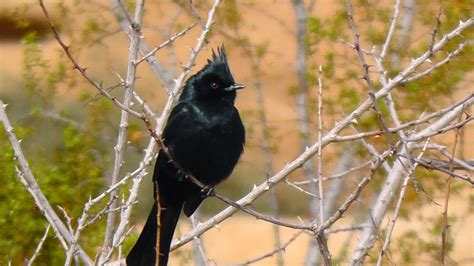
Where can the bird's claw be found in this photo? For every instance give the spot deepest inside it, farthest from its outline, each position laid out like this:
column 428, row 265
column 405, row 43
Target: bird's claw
column 181, row 176
column 207, row 191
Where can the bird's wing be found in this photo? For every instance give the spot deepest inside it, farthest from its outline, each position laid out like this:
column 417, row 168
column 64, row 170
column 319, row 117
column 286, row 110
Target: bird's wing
column 181, row 123
column 184, row 125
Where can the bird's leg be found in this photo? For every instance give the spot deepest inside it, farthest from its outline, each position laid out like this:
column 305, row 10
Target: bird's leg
column 207, row 191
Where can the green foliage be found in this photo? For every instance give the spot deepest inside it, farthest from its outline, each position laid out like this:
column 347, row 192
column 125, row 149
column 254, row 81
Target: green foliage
column 349, row 98
column 32, row 60
column 91, row 26
column 66, row 181
column 261, row 49
column 414, row 243
column 228, row 14
column 40, row 78
column 329, row 68
column 68, row 156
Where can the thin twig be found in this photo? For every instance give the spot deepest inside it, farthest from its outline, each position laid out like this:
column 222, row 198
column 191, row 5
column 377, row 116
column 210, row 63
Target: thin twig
column 319, row 156
column 39, row 246
column 401, row 196
column 412, row 123
column 321, row 238
column 338, row 175
column 68, row 219
column 295, row 186
column 272, row 252
column 443, row 170
column 145, row 107
column 376, row 163
column 437, row 64
column 444, row 233
column 435, row 29
column 97, row 216
column 365, row 67
column 345, row 229
column 391, row 30
column 454, row 126
column 165, row 43
column 158, row 222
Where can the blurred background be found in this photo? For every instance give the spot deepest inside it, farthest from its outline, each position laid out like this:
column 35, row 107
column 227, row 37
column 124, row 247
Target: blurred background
column 68, row 131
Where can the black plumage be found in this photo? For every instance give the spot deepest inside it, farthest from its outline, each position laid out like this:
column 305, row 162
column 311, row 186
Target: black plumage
column 206, row 137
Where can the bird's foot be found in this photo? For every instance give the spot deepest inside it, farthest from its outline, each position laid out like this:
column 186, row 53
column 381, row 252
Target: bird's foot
column 207, row 191
column 181, row 176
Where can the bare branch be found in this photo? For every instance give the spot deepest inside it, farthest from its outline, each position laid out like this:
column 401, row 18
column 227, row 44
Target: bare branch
column 319, row 158
column 365, row 67
column 200, row 256
column 165, row 43
column 122, row 135
column 338, row 175
column 29, row 181
column 437, row 64
column 444, row 233
column 39, row 246
column 377, row 162
column 273, row 252
column 442, row 169
column 391, row 30
column 412, row 123
column 391, row 226
column 321, row 238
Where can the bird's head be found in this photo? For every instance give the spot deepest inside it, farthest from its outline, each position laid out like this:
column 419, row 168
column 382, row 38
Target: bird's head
column 213, row 81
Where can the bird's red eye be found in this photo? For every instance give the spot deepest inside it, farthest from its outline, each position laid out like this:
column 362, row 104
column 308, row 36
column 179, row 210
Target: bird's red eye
column 214, row 85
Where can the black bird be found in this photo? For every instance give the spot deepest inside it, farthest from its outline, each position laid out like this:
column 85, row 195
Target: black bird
column 205, row 137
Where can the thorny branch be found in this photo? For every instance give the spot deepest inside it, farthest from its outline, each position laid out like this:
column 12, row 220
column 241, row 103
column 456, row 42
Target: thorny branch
column 122, row 135
column 365, row 68
column 165, row 43
column 444, row 232
column 403, row 189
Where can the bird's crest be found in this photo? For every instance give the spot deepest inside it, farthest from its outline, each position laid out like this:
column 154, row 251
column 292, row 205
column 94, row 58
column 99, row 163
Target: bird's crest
column 219, row 60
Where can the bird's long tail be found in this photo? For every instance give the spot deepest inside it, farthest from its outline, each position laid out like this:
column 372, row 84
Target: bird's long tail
column 144, row 251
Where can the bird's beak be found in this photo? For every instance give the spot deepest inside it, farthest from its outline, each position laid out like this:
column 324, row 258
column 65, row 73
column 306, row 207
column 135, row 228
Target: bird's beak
column 234, row 87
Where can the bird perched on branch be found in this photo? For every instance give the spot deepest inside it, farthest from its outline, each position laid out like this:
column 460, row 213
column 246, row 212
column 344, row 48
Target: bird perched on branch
column 205, row 137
